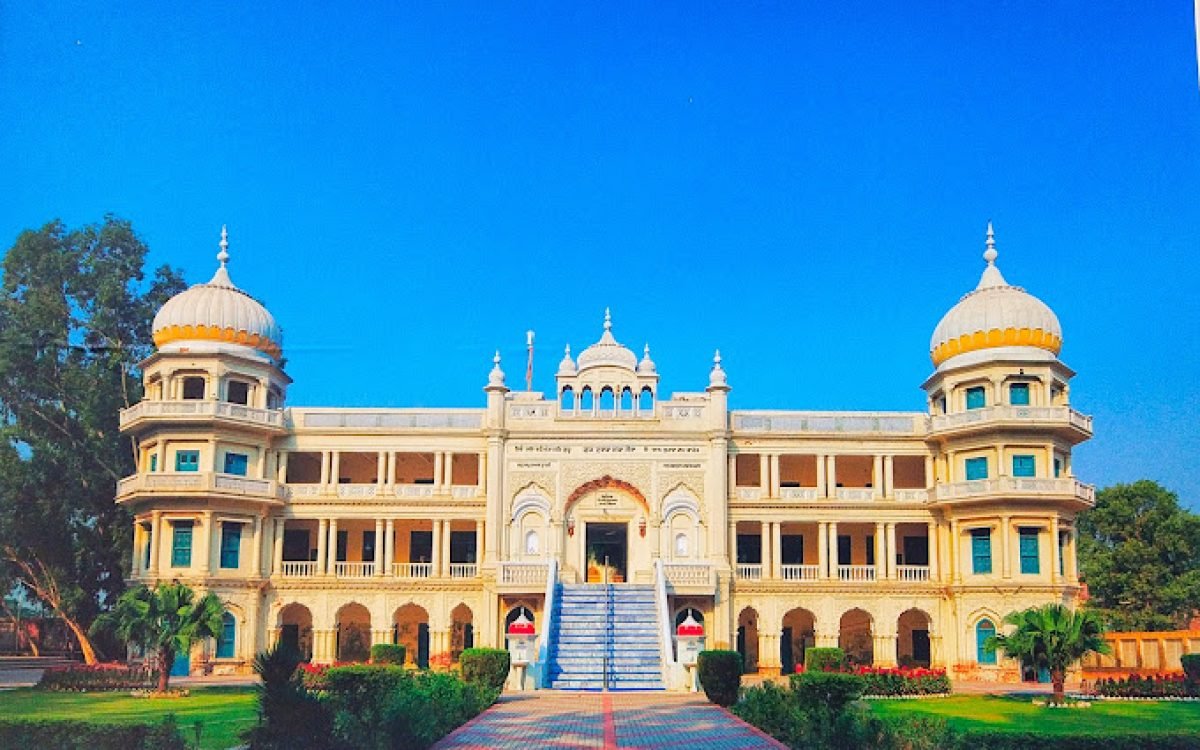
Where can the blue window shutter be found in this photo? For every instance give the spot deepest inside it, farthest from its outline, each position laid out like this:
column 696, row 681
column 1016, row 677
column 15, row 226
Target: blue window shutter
column 984, row 630
column 228, row 637
column 1018, row 394
column 1024, row 466
column 976, row 398
column 235, row 463
column 976, row 468
column 153, row 462
column 181, row 544
column 1029, row 552
column 981, row 551
column 231, row 543
column 187, row 460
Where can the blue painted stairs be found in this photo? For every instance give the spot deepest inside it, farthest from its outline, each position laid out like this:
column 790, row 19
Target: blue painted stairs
column 617, row 621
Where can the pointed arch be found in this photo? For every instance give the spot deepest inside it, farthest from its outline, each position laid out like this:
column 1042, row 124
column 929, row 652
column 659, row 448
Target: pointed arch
column 531, row 497
column 681, row 499
column 606, row 483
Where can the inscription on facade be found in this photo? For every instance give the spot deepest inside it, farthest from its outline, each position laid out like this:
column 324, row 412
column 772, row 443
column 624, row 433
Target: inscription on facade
column 613, row 449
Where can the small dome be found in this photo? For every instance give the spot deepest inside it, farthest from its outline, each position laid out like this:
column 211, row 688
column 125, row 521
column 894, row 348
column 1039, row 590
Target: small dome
column 217, row 316
column 567, row 366
column 607, row 351
column 646, row 366
column 996, row 319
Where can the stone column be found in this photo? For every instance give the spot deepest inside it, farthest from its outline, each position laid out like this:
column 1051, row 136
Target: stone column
column 380, row 469
column 831, row 476
column 1006, row 545
column 732, row 475
column 479, row 541
column 438, row 471
column 891, row 550
column 822, row 489
column 331, row 548
column 379, row 543
column 764, row 474
column 322, row 546
column 391, row 468
column 256, row 547
column 204, row 544
column 768, row 649
column 1072, row 556
column 884, row 648
column 889, row 475
column 389, row 547
column 774, row 476
column 448, row 466
column 823, row 550
column 733, row 550
column 930, row 474
column 324, row 481
column 881, row 566
column 277, row 543
column 135, row 565
column 764, row 530
column 777, row 550
column 955, row 545
column 1055, row 542
column 834, row 560
column 335, row 468
column 436, row 557
column 446, row 548
column 877, row 477
column 932, row 535
column 281, row 468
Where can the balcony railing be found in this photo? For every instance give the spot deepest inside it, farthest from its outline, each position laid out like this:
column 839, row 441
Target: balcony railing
column 523, row 573
column 749, row 493
column 829, row 422
column 798, row 493
column 353, row 569
column 357, row 491
column 800, row 572
column 912, row 573
column 371, row 491
column 189, row 482
column 463, row 570
column 921, row 495
column 688, row 574
column 202, row 410
column 855, row 493
column 750, row 572
column 298, row 569
column 1004, row 413
column 1017, row 485
column 858, row 573
column 412, row 570
column 389, row 419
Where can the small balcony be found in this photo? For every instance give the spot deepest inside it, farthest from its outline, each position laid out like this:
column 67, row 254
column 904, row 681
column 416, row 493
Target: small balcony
column 912, row 573
column 200, row 411
column 800, row 572
column 196, row 483
column 856, row 573
column 1017, row 487
column 410, row 570
column 749, row 571
column 1061, row 418
column 522, row 577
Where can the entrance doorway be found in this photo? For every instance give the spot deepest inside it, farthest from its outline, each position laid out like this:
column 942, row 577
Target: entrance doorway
column 606, row 542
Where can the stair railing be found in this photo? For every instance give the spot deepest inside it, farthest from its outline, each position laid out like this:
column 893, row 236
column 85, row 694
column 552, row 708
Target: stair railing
column 664, row 623
column 542, row 668
column 608, row 628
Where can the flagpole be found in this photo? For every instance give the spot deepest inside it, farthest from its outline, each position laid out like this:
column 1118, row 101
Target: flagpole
column 529, row 367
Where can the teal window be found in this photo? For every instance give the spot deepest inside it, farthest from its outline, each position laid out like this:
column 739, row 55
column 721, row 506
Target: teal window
column 228, row 637
column 153, row 462
column 1057, row 468
column 235, row 463
column 181, row 544
column 1023, row 466
column 231, row 543
column 984, row 630
column 187, row 460
column 1062, row 554
column 1029, row 551
column 975, row 398
column 977, row 468
column 981, row 551
column 1018, row 394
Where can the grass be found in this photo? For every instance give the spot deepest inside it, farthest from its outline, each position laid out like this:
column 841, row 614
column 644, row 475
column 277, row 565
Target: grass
column 224, row 712
column 1019, row 714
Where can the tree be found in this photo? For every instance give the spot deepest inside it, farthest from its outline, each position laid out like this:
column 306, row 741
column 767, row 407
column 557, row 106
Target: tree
column 1051, row 637
column 163, row 621
column 1137, row 552
column 75, row 316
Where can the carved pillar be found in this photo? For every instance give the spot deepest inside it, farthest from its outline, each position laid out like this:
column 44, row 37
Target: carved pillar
column 823, row 550
column 380, row 541
column 256, row 547
column 891, row 550
column 881, row 566
column 277, row 544
column 884, row 649
column 877, row 477
column 834, row 559
column 331, row 549
column 889, row 475
column 204, row 544
column 931, row 531
column 1006, row 545
column 822, row 489
column 436, row 558
column 389, row 547
column 322, row 546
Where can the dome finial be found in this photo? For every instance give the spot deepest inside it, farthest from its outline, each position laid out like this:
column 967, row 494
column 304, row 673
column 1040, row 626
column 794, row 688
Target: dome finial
column 223, row 256
column 496, row 376
column 717, row 377
column 990, row 254
column 607, row 319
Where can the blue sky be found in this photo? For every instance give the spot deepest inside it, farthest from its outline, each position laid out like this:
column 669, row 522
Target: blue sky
column 803, row 185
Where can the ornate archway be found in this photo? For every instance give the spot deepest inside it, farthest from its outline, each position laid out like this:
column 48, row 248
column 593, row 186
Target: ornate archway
column 606, row 483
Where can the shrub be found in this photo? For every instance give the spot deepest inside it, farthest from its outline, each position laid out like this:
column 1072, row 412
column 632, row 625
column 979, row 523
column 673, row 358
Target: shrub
column 824, row 659
column 900, row 681
column 80, row 677
column 775, row 711
column 827, row 692
column 82, row 735
column 387, row 653
column 485, row 666
column 290, row 717
column 720, row 675
column 1158, row 686
column 1191, row 666
column 358, row 696
column 1004, row 740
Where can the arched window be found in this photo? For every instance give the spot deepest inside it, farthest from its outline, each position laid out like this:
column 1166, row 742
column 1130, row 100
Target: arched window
column 585, row 399
column 606, row 399
column 646, row 401
column 682, row 545
column 984, row 630
column 227, row 640
column 568, row 399
column 626, row 400
column 533, row 545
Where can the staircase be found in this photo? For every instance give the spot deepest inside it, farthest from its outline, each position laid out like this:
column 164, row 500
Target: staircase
column 605, row 637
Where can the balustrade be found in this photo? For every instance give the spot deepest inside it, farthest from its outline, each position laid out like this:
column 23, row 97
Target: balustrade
column 527, row 573
column 463, row 570
column 412, row 570
column 800, row 572
column 912, row 573
column 750, row 572
column 353, row 569
column 298, row 569
column 858, row 573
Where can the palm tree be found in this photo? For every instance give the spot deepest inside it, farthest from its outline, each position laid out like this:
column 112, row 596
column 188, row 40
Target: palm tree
column 165, row 620
column 1051, row 637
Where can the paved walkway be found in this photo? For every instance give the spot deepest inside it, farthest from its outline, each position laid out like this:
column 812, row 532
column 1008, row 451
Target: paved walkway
column 559, row 719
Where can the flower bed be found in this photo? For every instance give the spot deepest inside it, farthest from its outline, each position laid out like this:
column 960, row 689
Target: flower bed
column 82, row 678
column 893, row 682
column 1174, row 685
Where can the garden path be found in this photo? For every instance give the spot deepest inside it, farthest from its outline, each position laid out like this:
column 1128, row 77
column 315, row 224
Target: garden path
column 608, row 721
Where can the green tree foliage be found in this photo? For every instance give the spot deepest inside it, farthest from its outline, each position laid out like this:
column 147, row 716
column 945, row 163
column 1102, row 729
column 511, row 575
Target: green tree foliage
column 1051, row 637
column 1138, row 554
column 75, row 315
column 164, row 620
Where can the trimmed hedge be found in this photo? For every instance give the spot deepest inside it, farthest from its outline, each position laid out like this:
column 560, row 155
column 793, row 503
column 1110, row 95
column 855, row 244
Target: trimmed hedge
column 1000, row 740
column 82, row 735
column 387, row 653
column 824, row 659
column 720, row 675
column 827, row 692
column 900, row 681
column 82, row 678
column 1191, row 666
column 485, row 666
column 1158, row 686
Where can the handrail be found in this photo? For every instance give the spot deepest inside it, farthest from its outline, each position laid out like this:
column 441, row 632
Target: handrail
column 664, row 622
column 543, row 647
column 608, row 627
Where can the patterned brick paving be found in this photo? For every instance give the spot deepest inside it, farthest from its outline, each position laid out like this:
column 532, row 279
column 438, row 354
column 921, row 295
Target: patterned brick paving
column 607, row 721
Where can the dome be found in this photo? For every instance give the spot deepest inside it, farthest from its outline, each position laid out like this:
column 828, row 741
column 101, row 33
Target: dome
column 607, row 351
column 647, row 366
column 996, row 319
column 566, row 367
column 217, row 316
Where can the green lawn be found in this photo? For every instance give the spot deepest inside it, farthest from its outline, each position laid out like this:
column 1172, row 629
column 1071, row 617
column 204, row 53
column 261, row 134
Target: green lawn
column 1019, row 714
column 225, row 712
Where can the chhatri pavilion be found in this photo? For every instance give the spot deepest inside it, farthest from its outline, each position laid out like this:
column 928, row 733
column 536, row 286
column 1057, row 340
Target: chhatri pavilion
column 904, row 536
